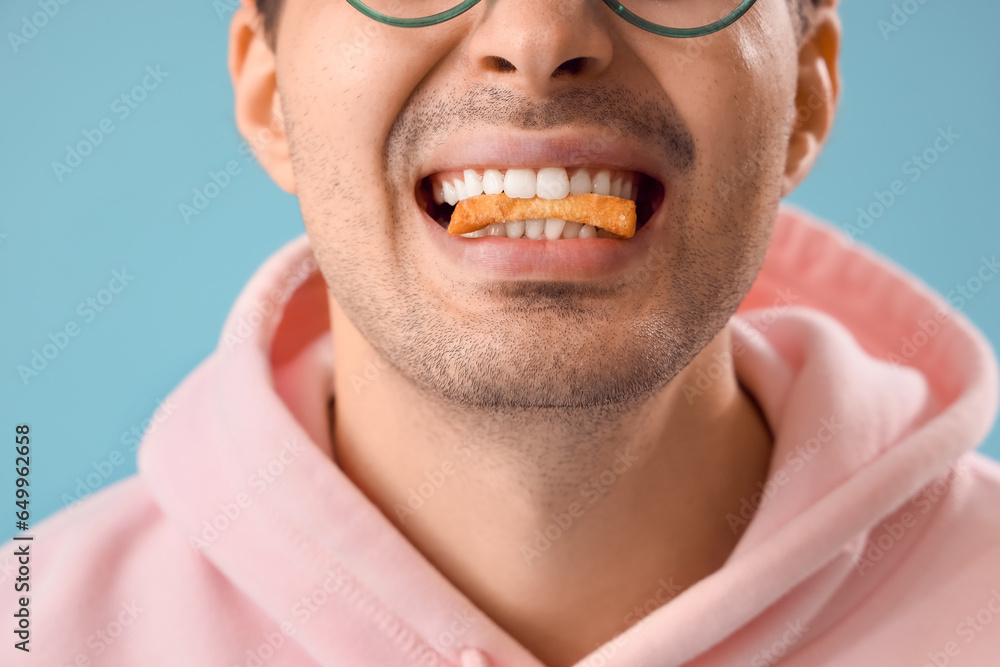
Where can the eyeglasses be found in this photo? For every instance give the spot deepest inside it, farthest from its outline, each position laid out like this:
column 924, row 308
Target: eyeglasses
column 685, row 18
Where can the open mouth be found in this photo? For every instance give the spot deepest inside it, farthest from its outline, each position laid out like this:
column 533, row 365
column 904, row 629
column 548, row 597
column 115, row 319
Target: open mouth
column 549, row 203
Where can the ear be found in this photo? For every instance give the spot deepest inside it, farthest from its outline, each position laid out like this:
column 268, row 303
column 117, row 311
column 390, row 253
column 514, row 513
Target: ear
column 816, row 95
column 258, row 104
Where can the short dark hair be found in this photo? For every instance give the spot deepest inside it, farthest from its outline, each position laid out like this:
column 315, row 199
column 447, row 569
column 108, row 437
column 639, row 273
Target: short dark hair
column 271, row 9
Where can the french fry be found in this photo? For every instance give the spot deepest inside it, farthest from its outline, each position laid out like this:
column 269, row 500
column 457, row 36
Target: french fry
column 613, row 214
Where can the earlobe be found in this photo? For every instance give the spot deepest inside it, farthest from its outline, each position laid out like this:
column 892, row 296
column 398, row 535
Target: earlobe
column 258, row 104
column 816, row 96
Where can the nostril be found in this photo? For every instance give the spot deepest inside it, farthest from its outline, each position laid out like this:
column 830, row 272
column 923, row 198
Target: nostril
column 571, row 66
column 498, row 64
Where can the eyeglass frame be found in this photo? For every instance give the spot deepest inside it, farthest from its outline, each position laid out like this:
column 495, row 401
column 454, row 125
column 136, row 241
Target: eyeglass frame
column 614, row 5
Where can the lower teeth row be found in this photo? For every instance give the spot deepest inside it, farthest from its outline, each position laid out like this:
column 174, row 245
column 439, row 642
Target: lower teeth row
column 537, row 229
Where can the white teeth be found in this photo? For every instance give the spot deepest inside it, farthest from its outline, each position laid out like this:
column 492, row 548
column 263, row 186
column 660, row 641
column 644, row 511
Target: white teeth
column 520, row 183
column 515, row 229
column 616, row 187
column 580, row 184
column 588, row 232
column 534, row 228
column 546, row 183
column 554, row 228
column 572, row 230
column 460, row 189
column 552, row 183
column 477, row 234
column 473, row 184
column 496, row 229
column 602, row 182
column 492, row 182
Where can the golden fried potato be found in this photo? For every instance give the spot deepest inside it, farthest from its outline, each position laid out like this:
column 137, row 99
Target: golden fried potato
column 613, row 214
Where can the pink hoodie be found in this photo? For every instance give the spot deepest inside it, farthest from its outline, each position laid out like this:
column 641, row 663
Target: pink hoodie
column 876, row 540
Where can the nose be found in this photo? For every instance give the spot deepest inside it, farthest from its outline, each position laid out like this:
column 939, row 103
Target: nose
column 540, row 46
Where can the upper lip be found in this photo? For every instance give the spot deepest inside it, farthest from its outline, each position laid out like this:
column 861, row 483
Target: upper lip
column 517, row 149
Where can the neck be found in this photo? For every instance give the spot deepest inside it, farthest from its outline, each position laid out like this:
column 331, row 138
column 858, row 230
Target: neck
column 565, row 526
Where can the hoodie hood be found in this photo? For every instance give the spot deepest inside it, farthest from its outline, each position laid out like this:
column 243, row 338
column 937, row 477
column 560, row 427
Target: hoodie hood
column 872, row 385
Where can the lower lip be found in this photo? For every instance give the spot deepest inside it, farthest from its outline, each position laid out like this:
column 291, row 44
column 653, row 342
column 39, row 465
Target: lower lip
column 524, row 259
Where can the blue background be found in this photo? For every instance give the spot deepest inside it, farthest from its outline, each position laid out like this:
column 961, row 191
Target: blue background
column 61, row 240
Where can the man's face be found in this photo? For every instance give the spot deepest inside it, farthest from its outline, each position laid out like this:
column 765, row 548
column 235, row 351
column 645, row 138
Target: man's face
column 375, row 115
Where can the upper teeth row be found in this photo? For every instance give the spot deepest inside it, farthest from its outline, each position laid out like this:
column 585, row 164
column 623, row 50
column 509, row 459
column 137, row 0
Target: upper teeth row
column 546, row 183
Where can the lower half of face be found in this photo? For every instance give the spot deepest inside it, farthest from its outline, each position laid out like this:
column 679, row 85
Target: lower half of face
column 536, row 321
column 469, row 335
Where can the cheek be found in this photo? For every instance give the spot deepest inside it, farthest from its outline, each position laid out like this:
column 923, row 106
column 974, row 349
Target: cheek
column 344, row 79
column 735, row 89
column 352, row 75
